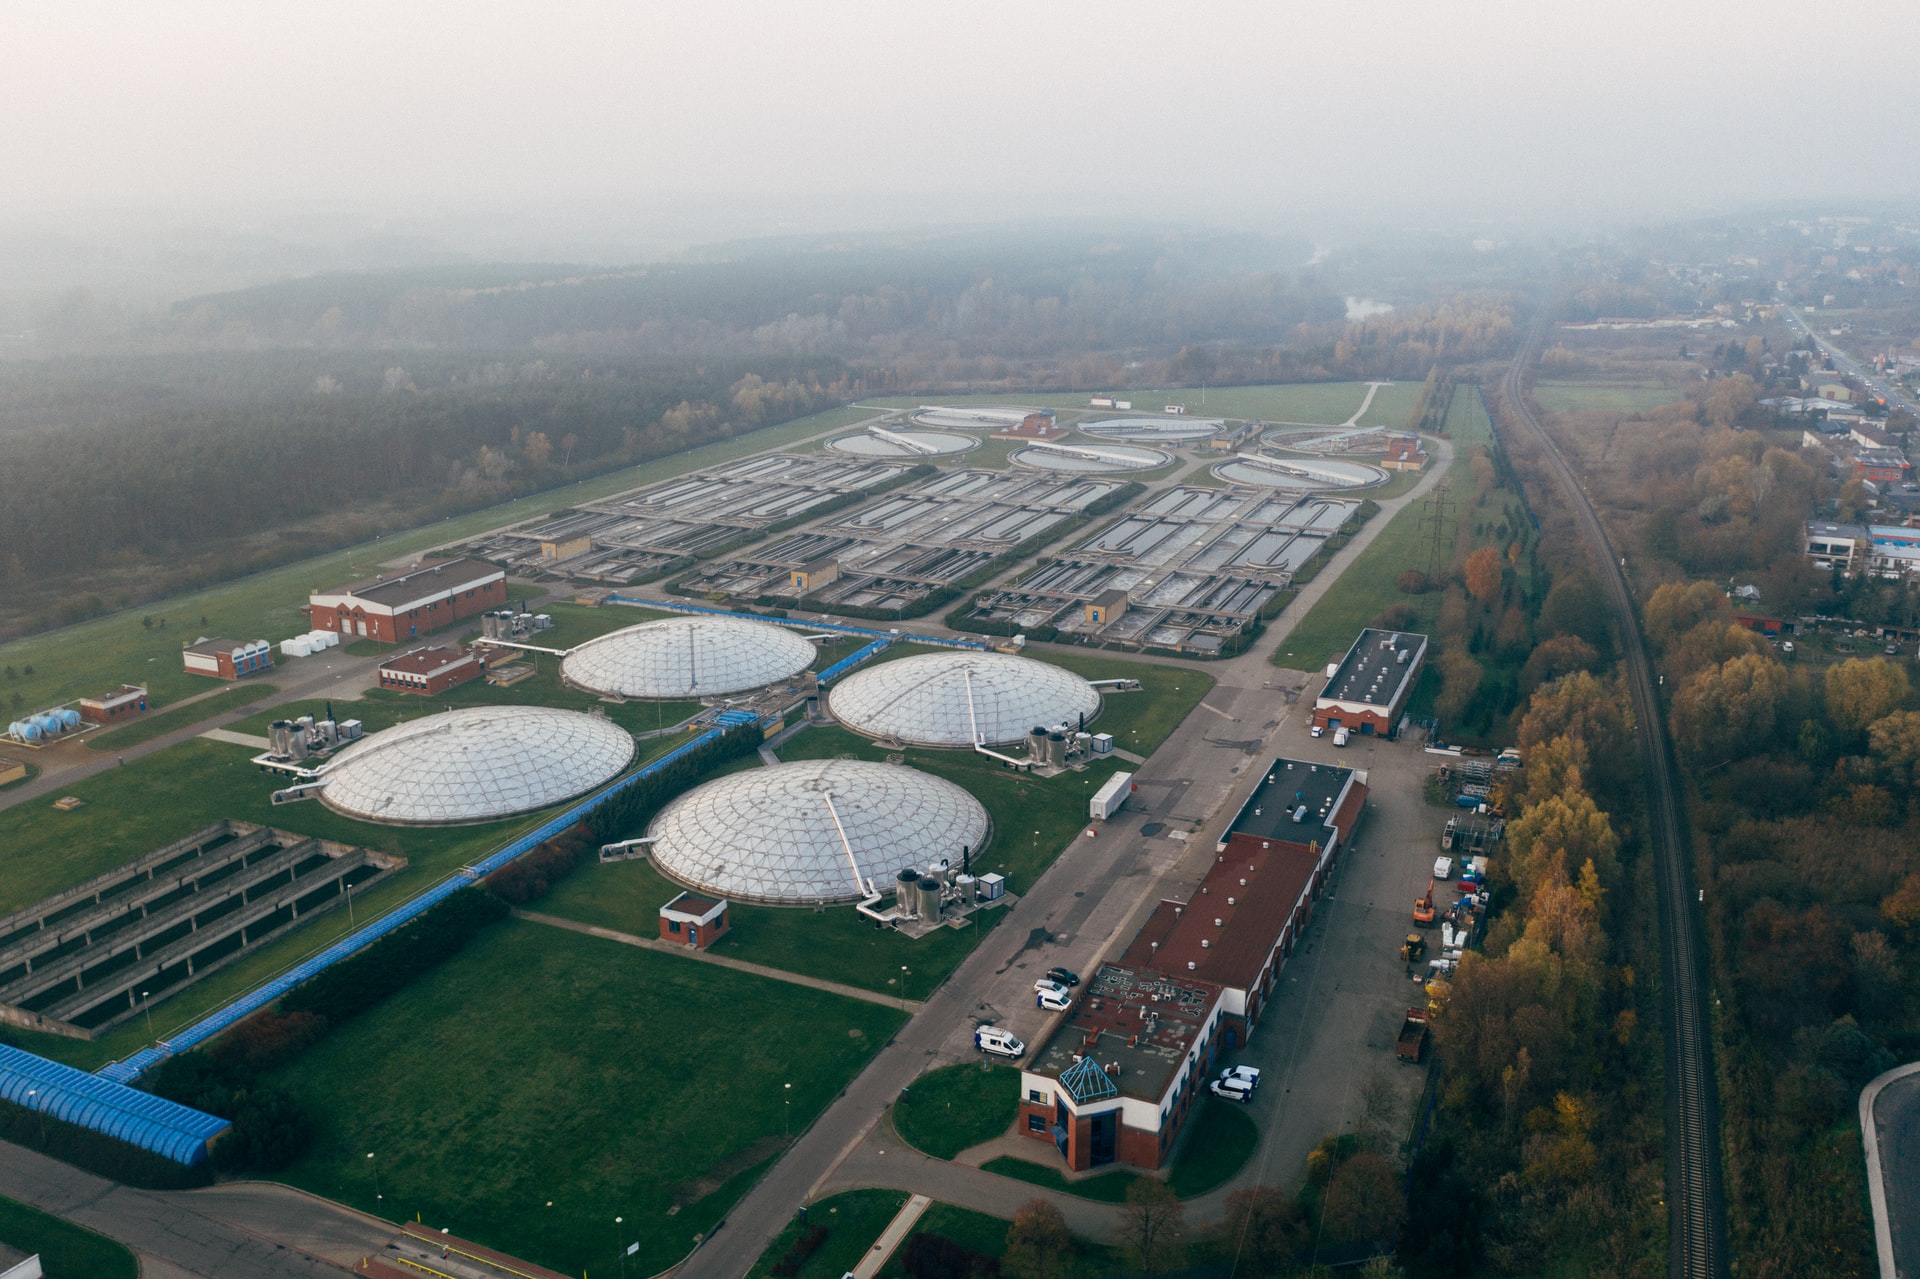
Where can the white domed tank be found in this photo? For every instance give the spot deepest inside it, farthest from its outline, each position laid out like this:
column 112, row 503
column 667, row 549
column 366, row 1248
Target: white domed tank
column 697, row 656
column 958, row 699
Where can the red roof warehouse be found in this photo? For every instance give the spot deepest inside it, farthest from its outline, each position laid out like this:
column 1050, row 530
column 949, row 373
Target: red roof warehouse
column 416, row 602
column 1122, row 1071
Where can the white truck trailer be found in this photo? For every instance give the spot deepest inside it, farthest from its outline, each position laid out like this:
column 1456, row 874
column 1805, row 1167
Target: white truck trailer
column 1107, row 800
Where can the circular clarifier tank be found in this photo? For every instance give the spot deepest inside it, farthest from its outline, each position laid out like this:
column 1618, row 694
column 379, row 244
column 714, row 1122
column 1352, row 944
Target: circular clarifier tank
column 813, row 831
column 682, row 657
column 960, row 699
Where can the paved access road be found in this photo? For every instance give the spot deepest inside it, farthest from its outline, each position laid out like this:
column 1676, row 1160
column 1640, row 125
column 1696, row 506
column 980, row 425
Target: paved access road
column 248, row 1230
column 1890, row 1122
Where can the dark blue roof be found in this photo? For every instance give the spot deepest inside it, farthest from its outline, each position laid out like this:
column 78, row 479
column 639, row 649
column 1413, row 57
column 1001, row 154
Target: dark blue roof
column 137, row 1118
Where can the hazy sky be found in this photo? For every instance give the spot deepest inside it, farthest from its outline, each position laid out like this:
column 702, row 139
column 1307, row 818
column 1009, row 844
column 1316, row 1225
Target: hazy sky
column 1236, row 111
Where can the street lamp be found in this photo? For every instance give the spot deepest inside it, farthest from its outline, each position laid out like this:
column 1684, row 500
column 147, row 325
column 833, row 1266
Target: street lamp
column 789, row 1118
column 375, row 1165
column 619, row 1246
column 146, row 1006
column 903, row 988
column 31, row 1094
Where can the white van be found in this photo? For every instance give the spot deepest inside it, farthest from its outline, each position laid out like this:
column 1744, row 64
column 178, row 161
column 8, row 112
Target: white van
column 1339, row 737
column 1001, row 1043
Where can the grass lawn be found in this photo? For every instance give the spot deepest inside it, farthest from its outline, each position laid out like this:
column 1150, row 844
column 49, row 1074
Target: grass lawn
column 546, row 1067
column 956, row 1108
column 94, row 656
column 1610, row 397
column 1368, row 587
column 66, row 1251
column 1220, row 1140
column 153, row 801
column 159, row 723
column 1321, row 403
column 987, row 1235
column 852, row 1220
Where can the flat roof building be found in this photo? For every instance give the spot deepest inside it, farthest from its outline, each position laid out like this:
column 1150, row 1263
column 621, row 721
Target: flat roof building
column 1369, row 690
column 223, row 658
column 1887, row 550
column 692, row 920
column 129, row 700
column 1119, row 1076
column 430, row 671
column 423, row 599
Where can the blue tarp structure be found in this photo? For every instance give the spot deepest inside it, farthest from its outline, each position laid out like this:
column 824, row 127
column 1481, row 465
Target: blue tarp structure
column 137, row 1118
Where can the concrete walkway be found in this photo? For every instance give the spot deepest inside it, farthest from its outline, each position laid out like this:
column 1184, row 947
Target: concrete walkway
column 721, row 961
column 232, row 738
column 890, row 1238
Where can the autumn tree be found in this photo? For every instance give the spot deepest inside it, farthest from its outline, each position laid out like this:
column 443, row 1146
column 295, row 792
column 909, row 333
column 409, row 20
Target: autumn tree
column 1860, row 691
column 1150, row 1223
column 1677, row 607
column 1561, row 655
column 1895, row 741
column 1039, row 1246
column 1459, row 685
column 537, row 449
column 1362, row 1201
column 1482, row 572
column 1730, row 710
column 1263, row 1230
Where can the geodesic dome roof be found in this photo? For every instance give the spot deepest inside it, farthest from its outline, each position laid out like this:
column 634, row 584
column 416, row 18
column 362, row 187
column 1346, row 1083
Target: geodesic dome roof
column 925, row 700
column 688, row 657
column 774, row 834
column 475, row 765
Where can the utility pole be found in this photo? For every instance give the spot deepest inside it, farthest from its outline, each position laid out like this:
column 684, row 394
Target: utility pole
column 1434, row 524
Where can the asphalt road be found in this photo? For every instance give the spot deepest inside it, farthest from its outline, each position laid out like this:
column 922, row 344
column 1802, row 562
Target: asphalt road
column 1890, row 1116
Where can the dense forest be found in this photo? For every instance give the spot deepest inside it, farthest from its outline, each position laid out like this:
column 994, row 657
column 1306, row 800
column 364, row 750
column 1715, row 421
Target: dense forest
column 235, row 431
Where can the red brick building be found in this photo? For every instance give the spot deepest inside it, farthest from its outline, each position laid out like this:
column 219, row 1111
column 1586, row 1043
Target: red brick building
column 419, row 601
column 429, row 671
column 1404, row 453
column 1119, row 1076
column 1368, row 692
column 129, row 701
column 689, row 920
column 228, row 659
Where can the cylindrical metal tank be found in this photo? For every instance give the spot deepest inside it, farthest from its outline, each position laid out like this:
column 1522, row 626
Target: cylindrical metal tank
column 47, row 723
column 968, row 887
column 22, row 731
column 70, row 718
column 1037, row 745
column 1056, row 749
column 906, row 890
column 937, row 870
column 929, row 898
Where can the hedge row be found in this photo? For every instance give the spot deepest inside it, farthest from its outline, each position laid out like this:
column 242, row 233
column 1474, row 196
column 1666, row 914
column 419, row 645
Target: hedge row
column 528, row 878
column 368, row 976
column 635, row 806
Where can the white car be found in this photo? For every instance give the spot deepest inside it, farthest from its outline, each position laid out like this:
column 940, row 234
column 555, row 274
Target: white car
column 1231, row 1089
column 1048, row 984
column 1055, row 1000
column 1443, row 868
column 1001, row 1043
column 1317, row 730
column 1247, row 1076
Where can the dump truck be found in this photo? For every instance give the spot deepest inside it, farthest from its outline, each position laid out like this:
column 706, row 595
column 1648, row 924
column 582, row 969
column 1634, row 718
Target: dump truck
column 1411, row 1046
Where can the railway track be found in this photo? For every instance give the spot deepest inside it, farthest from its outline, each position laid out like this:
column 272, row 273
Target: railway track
column 1695, row 1207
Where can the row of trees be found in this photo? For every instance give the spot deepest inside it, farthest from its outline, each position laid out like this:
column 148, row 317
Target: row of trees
column 1805, row 822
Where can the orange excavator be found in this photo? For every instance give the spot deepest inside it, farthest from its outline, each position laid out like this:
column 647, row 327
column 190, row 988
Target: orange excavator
column 1423, row 909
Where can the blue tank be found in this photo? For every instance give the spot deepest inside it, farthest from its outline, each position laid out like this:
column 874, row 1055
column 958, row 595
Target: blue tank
column 47, row 722
column 25, row 731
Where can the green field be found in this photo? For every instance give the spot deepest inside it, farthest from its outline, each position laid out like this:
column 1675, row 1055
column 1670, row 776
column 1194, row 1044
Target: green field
column 1320, row 403
column 154, row 801
column 546, row 1068
column 1368, row 587
column 956, row 1108
column 66, row 1251
column 1608, row 397
column 852, row 1220
column 92, row 657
